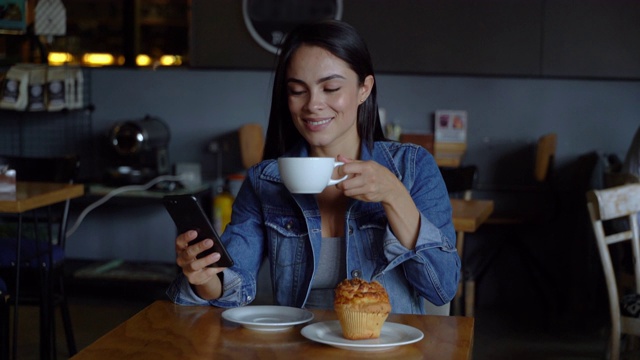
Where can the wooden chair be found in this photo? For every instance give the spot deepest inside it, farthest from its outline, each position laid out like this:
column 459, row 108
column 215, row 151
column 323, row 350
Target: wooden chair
column 543, row 171
column 251, row 138
column 612, row 179
column 460, row 182
column 238, row 150
column 545, row 157
column 41, row 278
column 617, row 203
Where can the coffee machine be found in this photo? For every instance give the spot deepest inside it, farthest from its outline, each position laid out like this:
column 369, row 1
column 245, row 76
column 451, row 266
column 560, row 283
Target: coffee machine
column 139, row 151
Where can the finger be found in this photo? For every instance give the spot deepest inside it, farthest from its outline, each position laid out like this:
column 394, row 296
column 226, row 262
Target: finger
column 348, row 184
column 189, row 254
column 200, row 246
column 357, row 192
column 209, row 259
column 344, row 159
column 357, row 168
column 182, row 241
column 202, row 276
column 363, row 188
column 191, row 265
column 346, row 169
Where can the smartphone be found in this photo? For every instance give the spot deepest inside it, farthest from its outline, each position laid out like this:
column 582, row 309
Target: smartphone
column 187, row 214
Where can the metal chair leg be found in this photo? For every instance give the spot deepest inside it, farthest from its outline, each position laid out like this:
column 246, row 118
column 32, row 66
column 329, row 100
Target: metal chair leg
column 4, row 327
column 45, row 317
column 16, row 299
column 66, row 320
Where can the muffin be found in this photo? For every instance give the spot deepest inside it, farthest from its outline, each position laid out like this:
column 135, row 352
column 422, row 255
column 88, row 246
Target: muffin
column 362, row 308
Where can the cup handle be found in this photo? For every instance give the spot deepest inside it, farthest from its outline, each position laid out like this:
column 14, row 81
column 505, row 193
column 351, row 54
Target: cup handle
column 337, row 181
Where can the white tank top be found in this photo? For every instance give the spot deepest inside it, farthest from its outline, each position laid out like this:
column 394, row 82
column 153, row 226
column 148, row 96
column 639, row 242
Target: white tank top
column 331, row 270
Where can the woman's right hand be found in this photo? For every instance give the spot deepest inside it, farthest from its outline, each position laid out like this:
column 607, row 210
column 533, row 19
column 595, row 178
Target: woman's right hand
column 204, row 279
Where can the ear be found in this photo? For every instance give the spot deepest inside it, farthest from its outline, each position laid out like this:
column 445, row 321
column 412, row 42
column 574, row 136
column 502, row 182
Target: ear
column 365, row 88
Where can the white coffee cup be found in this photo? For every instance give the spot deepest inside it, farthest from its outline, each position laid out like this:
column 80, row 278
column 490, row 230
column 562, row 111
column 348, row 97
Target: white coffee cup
column 308, row 175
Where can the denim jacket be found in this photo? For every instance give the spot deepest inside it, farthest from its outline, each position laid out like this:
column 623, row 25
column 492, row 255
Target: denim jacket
column 269, row 221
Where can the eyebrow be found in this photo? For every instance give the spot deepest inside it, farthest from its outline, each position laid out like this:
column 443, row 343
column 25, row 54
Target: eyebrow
column 321, row 80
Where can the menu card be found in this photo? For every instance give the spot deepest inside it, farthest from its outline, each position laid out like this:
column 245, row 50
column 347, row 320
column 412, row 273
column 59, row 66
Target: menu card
column 451, row 126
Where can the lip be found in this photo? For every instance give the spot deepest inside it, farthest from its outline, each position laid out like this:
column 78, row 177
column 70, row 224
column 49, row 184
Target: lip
column 317, row 124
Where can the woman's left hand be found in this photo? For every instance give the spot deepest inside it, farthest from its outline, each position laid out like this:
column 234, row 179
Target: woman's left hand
column 368, row 181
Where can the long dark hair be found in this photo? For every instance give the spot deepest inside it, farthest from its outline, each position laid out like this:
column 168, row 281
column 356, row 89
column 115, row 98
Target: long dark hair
column 344, row 42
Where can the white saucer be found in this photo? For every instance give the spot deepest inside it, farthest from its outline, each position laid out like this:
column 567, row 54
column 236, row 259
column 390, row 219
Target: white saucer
column 268, row 317
column 392, row 335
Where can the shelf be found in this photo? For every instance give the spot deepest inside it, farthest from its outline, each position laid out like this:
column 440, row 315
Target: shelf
column 127, row 28
column 162, row 22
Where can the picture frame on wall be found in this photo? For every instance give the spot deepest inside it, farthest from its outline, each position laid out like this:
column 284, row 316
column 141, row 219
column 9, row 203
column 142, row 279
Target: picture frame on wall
column 13, row 16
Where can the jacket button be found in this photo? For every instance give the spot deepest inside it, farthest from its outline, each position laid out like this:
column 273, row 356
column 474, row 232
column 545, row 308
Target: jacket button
column 350, row 230
column 289, row 225
column 356, row 274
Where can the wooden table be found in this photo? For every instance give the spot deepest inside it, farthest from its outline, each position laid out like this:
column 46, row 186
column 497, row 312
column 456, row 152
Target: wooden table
column 164, row 330
column 468, row 215
column 34, row 195
column 31, row 196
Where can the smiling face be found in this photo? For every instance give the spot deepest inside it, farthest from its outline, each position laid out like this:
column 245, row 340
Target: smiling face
column 323, row 95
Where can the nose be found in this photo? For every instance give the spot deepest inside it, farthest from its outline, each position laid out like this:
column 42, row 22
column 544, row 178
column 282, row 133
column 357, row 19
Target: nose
column 315, row 101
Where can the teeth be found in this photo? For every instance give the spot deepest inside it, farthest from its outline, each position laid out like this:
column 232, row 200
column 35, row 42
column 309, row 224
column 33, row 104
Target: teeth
column 315, row 123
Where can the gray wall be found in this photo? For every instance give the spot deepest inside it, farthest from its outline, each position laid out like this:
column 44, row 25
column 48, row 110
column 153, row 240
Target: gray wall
column 506, row 115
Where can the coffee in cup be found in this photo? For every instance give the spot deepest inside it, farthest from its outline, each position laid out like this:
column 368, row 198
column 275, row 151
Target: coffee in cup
column 308, row 175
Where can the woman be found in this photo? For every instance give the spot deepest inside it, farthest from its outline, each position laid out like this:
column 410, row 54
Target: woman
column 390, row 221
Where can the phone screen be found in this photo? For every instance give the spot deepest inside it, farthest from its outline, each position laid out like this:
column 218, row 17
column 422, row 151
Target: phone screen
column 187, row 214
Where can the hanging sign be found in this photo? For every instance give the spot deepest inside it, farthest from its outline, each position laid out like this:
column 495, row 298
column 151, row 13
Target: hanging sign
column 50, row 18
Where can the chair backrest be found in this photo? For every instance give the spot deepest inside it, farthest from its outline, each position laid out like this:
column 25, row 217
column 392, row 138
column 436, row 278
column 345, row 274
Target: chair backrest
column 545, row 156
column 617, row 203
column 612, row 179
column 460, row 180
column 251, row 138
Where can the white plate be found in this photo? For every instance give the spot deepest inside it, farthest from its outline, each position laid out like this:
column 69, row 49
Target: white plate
column 392, row 335
column 268, row 317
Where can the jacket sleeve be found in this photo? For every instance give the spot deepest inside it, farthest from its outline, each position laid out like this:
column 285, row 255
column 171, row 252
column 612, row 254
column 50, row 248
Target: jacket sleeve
column 243, row 238
column 433, row 267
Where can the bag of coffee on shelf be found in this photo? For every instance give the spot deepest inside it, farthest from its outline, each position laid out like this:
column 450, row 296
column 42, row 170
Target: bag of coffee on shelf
column 37, row 82
column 56, row 88
column 13, row 94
